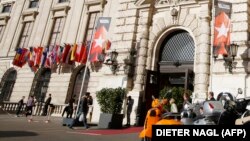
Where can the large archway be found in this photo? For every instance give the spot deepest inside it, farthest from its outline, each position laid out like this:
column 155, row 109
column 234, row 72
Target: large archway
column 76, row 82
column 7, row 84
column 175, row 64
column 40, row 84
column 176, row 61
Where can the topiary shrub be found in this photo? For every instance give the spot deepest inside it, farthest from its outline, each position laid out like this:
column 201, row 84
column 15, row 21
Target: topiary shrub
column 111, row 99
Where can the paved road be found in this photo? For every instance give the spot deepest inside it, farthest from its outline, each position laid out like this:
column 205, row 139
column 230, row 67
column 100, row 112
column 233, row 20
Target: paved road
column 19, row 129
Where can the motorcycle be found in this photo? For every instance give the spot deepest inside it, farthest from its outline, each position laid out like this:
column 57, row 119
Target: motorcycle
column 206, row 113
column 225, row 111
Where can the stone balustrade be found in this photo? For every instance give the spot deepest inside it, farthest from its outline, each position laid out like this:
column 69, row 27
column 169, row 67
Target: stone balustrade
column 11, row 107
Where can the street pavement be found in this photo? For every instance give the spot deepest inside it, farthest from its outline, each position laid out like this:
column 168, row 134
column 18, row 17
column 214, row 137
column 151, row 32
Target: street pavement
column 41, row 129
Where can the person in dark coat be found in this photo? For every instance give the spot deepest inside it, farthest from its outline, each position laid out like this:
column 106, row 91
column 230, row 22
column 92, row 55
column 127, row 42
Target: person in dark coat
column 83, row 110
column 130, row 103
column 46, row 105
column 20, row 105
column 71, row 107
column 211, row 96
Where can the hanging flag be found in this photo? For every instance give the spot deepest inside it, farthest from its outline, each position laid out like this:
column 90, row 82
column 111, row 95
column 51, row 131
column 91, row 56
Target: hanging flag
column 59, row 54
column 100, row 36
column 31, row 60
column 222, row 27
column 73, row 53
column 84, row 56
column 44, row 56
column 38, row 55
column 66, row 52
column 49, row 58
column 68, row 58
column 21, row 57
column 17, row 56
column 79, row 52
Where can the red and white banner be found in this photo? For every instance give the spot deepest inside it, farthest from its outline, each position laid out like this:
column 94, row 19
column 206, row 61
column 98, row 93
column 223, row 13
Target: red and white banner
column 100, row 41
column 222, row 28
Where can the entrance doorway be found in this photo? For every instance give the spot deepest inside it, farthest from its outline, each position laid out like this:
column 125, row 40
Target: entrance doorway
column 174, row 68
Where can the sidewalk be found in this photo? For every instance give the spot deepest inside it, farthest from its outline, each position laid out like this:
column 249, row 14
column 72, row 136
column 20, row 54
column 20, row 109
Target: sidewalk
column 58, row 121
column 16, row 128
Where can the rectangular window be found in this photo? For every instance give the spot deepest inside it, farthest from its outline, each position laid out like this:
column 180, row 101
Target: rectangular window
column 6, row 8
column 2, row 28
column 33, row 3
column 93, row 17
column 61, row 1
column 26, row 32
column 57, row 31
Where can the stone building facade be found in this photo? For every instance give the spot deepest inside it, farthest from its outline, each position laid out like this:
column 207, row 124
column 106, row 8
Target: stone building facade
column 146, row 26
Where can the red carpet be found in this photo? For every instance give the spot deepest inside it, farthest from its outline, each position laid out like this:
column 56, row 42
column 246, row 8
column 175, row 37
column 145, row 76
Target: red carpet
column 112, row 131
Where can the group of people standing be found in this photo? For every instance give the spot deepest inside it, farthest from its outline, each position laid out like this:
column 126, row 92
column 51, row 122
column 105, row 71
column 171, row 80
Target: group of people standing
column 31, row 102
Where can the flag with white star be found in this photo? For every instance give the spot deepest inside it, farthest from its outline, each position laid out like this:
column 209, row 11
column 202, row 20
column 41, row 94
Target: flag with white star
column 222, row 28
column 100, row 40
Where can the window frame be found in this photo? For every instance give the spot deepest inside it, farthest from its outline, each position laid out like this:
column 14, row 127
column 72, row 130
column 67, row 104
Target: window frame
column 25, row 35
column 62, row 1
column 6, row 6
column 89, row 29
column 2, row 29
column 33, row 1
column 57, row 32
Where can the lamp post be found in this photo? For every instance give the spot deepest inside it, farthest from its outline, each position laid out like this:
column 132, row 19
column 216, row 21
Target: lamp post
column 112, row 62
column 229, row 60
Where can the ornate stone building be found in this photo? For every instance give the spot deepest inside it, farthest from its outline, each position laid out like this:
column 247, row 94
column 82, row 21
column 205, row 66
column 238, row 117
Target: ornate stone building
column 166, row 43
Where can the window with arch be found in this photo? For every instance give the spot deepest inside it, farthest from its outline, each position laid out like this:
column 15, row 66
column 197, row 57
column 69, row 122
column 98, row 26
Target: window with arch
column 40, row 84
column 7, row 85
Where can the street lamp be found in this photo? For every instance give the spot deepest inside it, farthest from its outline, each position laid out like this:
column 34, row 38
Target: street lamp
column 229, row 60
column 112, row 62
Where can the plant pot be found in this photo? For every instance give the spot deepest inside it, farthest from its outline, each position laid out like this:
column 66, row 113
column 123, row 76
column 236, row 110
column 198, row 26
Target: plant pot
column 110, row 121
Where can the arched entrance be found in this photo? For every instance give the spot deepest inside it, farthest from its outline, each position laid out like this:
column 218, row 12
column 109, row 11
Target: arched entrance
column 174, row 67
column 40, row 84
column 176, row 61
column 76, row 82
column 7, row 84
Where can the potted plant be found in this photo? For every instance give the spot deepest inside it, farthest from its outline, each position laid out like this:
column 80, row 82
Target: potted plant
column 110, row 101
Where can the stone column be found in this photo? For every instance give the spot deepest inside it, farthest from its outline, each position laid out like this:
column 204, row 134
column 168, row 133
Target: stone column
column 203, row 49
column 142, row 58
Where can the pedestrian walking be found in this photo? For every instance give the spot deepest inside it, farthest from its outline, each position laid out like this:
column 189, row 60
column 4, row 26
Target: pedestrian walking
column 71, row 107
column 83, row 110
column 46, row 105
column 130, row 103
column 29, row 106
column 20, row 106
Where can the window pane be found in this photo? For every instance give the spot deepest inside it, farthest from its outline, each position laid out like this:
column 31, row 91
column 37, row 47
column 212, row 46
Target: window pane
column 25, row 36
column 61, row 1
column 1, row 31
column 57, row 31
column 33, row 4
column 92, row 19
column 6, row 8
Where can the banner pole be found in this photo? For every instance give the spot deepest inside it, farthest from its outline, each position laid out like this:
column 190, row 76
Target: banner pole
column 85, row 69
